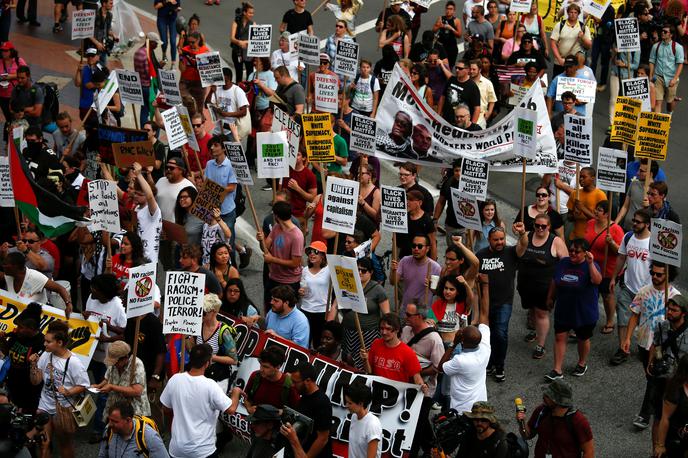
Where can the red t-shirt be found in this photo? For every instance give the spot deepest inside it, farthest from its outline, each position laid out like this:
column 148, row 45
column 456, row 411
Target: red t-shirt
column 399, row 363
column 189, row 58
column 120, row 268
column 306, row 180
column 597, row 248
column 554, row 434
column 203, row 155
column 271, row 392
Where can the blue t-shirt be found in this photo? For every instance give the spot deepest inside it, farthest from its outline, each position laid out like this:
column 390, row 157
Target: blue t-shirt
column 86, row 98
column 223, row 175
column 632, row 171
column 576, row 297
column 294, row 326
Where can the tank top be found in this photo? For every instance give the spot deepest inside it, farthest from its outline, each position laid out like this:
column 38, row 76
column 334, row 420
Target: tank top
column 213, row 340
column 537, row 263
column 532, row 27
column 447, row 37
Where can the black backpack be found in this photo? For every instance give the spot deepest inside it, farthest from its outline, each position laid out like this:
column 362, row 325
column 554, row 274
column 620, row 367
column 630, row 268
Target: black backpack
column 239, row 201
column 518, row 447
column 51, row 101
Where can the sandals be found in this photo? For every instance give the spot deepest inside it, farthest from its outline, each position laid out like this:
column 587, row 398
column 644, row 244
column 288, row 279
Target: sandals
column 607, row 329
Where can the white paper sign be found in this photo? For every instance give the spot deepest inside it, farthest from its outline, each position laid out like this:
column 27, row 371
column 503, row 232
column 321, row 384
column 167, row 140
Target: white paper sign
column 210, row 69
column 346, row 59
column 638, row 88
column 666, row 240
column 176, row 136
column 525, row 133
column 519, row 93
column 393, row 209
column 102, row 200
column 346, row 282
column 473, row 180
column 141, row 289
column 341, row 203
column 309, row 49
column 627, row 34
column 169, row 84
column 595, row 7
column 466, row 210
column 611, row 170
column 326, row 93
column 6, row 194
column 183, row 303
column 83, row 23
column 585, row 90
column 520, row 6
column 130, row 87
column 104, row 95
column 259, row 37
column 578, row 139
column 272, row 154
column 236, row 156
column 188, row 127
column 282, row 122
column 362, row 138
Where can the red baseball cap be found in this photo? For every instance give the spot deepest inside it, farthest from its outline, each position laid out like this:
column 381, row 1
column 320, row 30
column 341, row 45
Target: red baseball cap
column 6, row 46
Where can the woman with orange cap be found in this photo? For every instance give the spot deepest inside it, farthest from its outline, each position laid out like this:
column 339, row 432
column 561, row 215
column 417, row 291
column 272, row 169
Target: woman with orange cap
column 314, row 288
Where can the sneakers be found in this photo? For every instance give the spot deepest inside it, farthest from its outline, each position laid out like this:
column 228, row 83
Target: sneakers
column 245, row 257
column 641, row 422
column 266, row 188
column 579, row 370
column 539, row 352
column 499, row 375
column 57, row 28
column 553, row 375
column 619, row 357
column 436, row 406
column 530, row 337
column 490, row 371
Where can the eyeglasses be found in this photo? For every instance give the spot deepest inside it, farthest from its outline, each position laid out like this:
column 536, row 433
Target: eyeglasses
column 540, row 226
column 405, row 174
column 656, row 274
column 420, row 246
column 234, row 291
column 541, row 194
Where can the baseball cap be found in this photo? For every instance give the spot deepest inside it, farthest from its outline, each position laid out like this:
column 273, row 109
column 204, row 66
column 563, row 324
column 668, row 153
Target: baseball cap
column 396, row 2
column 6, row 46
column 152, row 36
column 681, row 301
column 569, row 61
column 177, row 161
column 477, row 36
column 324, row 56
column 117, row 350
column 285, row 35
column 318, row 245
column 91, row 52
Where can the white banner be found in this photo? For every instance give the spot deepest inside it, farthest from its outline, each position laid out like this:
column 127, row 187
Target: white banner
column 495, row 144
column 326, row 93
column 611, row 170
column 210, row 69
column 169, row 84
column 525, row 133
column 627, row 34
column 466, row 210
column 83, row 24
column 183, row 310
column 282, row 122
column 346, row 59
column 130, row 87
column 341, row 203
column 666, row 240
column 102, row 200
column 141, row 290
column 585, row 90
column 362, row 137
column 272, row 154
column 393, row 209
column 237, row 158
column 638, row 88
column 346, row 282
column 473, row 179
column 176, row 136
column 309, row 49
column 259, row 37
column 6, row 193
column 578, row 139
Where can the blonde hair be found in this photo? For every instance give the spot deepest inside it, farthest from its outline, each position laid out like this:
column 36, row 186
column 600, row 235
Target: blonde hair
column 211, row 303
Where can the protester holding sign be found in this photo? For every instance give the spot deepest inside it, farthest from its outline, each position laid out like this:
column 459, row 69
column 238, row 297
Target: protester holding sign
column 636, row 194
column 220, row 171
column 302, row 187
column 190, row 79
column 583, row 201
column 148, row 214
column 231, row 106
column 658, row 204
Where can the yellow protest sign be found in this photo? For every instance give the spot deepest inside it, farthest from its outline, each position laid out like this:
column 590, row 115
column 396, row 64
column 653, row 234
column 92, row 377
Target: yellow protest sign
column 83, row 332
column 346, row 279
column 317, row 128
column 653, row 135
column 625, row 122
column 548, row 10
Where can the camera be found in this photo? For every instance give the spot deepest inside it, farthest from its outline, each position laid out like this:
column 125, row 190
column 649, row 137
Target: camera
column 15, row 428
column 451, row 430
column 301, row 423
column 661, row 367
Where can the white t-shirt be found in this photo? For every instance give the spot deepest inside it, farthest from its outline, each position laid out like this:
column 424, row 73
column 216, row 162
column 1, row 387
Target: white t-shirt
column 361, row 432
column 638, row 262
column 230, row 100
column 167, row 196
column 467, row 373
column 76, row 376
column 288, row 59
column 317, row 287
column 468, row 11
column 149, row 228
column 112, row 312
column 363, row 96
column 33, row 287
column 196, row 401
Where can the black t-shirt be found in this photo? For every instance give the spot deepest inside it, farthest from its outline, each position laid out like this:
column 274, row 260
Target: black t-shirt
column 494, row 446
column 317, row 407
column 534, row 56
column 297, row 22
column 500, row 267
column 456, row 92
column 23, row 394
column 419, row 53
column 383, row 74
column 428, row 202
column 151, row 341
column 450, row 218
column 422, row 225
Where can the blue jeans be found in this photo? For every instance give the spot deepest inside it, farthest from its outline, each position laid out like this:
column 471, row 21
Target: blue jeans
column 145, row 110
column 499, row 334
column 98, row 369
column 167, row 24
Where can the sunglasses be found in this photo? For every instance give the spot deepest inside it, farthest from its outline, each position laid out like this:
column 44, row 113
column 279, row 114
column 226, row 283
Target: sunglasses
column 171, row 167
column 656, row 274
column 312, row 251
column 541, row 194
column 29, row 241
column 459, row 68
column 409, row 315
column 540, row 226
column 339, row 26
column 363, row 271
column 420, row 246
column 197, row 125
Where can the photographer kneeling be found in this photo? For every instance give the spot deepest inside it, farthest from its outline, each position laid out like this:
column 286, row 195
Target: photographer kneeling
column 489, row 439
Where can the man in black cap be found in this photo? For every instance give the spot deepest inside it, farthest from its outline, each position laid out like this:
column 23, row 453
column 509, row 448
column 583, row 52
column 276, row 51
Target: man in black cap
column 526, row 54
column 265, row 438
column 561, row 429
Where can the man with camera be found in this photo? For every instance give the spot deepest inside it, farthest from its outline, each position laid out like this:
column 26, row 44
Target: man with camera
column 265, row 439
column 488, row 440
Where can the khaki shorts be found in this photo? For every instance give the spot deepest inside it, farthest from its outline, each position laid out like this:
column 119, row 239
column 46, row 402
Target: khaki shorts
column 663, row 91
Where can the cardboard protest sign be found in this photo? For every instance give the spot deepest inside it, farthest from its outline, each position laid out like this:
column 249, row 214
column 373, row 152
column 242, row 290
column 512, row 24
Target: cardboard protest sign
column 346, row 282
column 393, row 209
column 525, row 127
column 175, row 232
column 102, row 200
column 519, row 92
column 210, row 197
column 520, row 6
column 176, row 137
column 309, row 49
column 638, row 88
column 585, row 90
column 577, row 139
column 317, row 131
column 169, row 84
column 362, row 137
column 6, row 194
column 625, row 122
column 237, row 158
column 183, row 310
column 627, row 34
column 346, row 59
column 83, row 23
column 272, row 154
column 128, row 153
column 84, row 333
column 341, row 203
column 473, row 180
column 282, row 122
column 141, row 289
column 109, row 136
column 466, row 210
column 130, row 87
column 104, row 95
column 653, row 135
column 188, row 128
column 210, row 69
column 666, row 241
column 259, row 37
column 611, row 170
column 326, row 93
column 595, row 7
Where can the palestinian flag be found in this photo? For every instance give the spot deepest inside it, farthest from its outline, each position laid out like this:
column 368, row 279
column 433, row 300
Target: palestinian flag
column 49, row 213
column 154, row 83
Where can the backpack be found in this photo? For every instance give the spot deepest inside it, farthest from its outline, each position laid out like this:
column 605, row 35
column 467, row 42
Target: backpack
column 51, row 101
column 239, row 201
column 655, row 49
column 372, row 82
column 286, row 387
column 580, row 23
column 139, row 434
column 518, row 447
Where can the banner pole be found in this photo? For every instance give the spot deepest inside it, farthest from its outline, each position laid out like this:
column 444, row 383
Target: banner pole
column 186, row 160
column 198, row 163
column 575, row 194
column 394, row 258
column 427, row 287
column 182, row 354
column 318, row 8
column 329, row 289
column 359, row 330
column 253, row 213
column 648, row 176
column 274, row 189
column 136, row 121
column 341, row 108
column 106, row 242
column 523, row 188
column 666, row 284
column 134, row 350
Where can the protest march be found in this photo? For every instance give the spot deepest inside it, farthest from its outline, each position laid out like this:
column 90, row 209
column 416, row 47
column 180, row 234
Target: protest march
column 381, row 229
